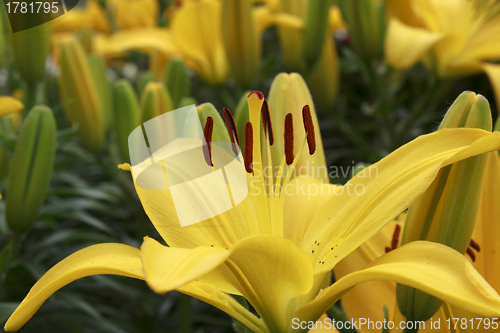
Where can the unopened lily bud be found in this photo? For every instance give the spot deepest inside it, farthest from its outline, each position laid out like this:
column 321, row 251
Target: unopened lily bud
column 142, row 81
column 241, row 40
column 289, row 94
column 315, row 28
column 155, row 100
column 366, row 24
column 219, row 133
column 241, row 116
column 324, row 79
column 446, row 212
column 31, row 170
column 30, row 48
column 80, row 94
column 497, row 125
column 176, row 80
column 185, row 101
column 290, row 38
column 98, row 70
column 127, row 114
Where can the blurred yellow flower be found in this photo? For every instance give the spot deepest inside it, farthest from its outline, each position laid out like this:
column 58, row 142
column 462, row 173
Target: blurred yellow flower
column 451, row 37
column 133, row 13
column 92, row 16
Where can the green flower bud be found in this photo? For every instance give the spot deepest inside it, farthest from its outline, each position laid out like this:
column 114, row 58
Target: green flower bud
column 367, row 24
column 241, row 117
column 155, row 100
column 185, row 101
column 31, row 170
column 143, row 80
column 176, row 80
column 30, row 48
column 447, row 211
column 80, row 95
column 315, row 28
column 290, row 38
column 241, row 40
column 98, row 70
column 219, row 133
column 127, row 114
column 325, row 78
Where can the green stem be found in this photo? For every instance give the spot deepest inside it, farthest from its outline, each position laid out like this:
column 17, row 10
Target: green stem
column 30, row 94
column 186, row 322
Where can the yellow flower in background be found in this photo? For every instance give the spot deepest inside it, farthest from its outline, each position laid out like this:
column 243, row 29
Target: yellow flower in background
column 451, row 37
column 278, row 247
column 133, row 13
column 92, row 17
column 9, row 105
column 196, row 30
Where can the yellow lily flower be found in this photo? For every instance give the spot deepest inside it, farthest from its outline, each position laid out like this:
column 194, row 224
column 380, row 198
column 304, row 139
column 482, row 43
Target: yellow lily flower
column 452, row 37
column 277, row 248
column 92, row 16
column 367, row 300
column 134, row 13
column 9, row 105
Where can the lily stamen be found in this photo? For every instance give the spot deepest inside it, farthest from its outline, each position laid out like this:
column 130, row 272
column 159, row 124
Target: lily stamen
column 231, row 127
column 289, row 139
column 248, row 151
column 266, row 122
column 207, row 132
column 394, row 240
column 474, row 245
column 471, row 254
column 309, row 127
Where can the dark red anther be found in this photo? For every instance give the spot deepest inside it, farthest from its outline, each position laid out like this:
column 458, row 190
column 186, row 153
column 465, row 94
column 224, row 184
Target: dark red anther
column 248, row 150
column 266, row 122
column 231, row 128
column 309, row 127
column 207, row 148
column 289, row 156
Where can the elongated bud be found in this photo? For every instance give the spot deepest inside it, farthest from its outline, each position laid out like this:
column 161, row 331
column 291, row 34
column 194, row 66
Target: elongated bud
column 30, row 48
column 219, row 133
column 9, row 126
column 142, row 81
column 241, row 40
column 241, row 116
column 291, row 39
column 127, row 114
column 325, row 77
column 446, row 213
column 315, row 28
column 367, row 24
column 80, row 95
column 176, row 80
column 289, row 93
column 155, row 100
column 98, row 71
column 31, row 170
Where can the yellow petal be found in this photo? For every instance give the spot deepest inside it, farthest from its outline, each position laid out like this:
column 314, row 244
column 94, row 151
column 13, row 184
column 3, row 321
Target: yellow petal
column 196, row 30
column 405, row 45
column 110, row 258
column 207, row 293
column 493, row 72
column 431, row 267
column 324, row 324
column 367, row 300
column 376, row 195
column 167, row 268
column 145, row 40
column 487, row 229
column 9, row 104
column 272, row 271
column 304, row 195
